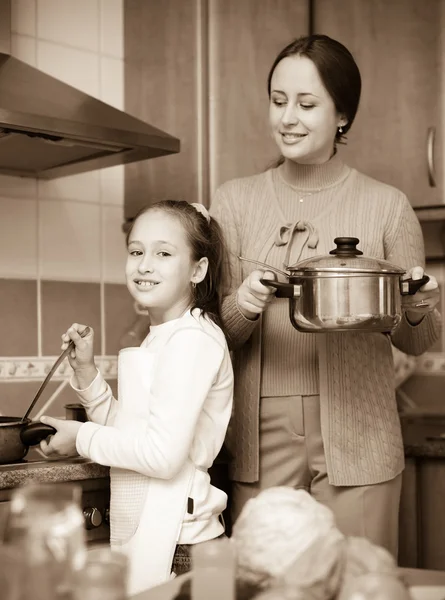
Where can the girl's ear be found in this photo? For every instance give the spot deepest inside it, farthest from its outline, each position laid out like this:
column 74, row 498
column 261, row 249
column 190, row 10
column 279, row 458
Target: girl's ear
column 200, row 270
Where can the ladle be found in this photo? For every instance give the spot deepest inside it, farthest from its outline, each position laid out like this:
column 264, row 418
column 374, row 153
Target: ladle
column 52, row 371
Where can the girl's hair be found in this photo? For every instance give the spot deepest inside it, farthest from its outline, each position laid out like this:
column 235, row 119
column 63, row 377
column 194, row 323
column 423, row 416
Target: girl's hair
column 337, row 69
column 206, row 240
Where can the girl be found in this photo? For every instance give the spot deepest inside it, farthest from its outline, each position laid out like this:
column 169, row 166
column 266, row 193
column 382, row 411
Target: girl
column 175, row 396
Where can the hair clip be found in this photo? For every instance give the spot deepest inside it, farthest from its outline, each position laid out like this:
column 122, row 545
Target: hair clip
column 201, row 209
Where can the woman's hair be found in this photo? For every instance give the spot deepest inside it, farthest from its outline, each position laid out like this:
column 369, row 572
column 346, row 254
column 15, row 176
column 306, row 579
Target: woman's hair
column 337, row 69
column 206, row 240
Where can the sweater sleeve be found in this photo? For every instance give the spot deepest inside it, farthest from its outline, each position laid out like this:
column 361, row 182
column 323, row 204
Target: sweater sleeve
column 237, row 327
column 97, row 400
column 404, row 247
column 187, row 368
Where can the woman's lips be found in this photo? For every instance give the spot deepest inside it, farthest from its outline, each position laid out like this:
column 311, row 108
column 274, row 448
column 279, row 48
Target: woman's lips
column 293, row 138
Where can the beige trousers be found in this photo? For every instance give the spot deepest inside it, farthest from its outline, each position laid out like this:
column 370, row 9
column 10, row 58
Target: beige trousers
column 291, row 454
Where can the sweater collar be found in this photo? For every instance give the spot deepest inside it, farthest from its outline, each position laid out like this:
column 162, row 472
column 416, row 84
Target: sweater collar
column 312, row 177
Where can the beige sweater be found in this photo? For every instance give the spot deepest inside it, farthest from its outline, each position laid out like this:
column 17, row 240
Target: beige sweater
column 360, row 424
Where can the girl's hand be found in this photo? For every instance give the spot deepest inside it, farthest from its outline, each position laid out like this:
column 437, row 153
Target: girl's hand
column 252, row 296
column 62, row 443
column 82, row 355
column 417, row 305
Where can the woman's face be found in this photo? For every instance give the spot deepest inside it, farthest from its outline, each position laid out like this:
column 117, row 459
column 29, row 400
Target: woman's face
column 302, row 114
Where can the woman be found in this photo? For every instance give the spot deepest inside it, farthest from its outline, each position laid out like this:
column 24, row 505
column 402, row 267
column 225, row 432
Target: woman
column 318, row 411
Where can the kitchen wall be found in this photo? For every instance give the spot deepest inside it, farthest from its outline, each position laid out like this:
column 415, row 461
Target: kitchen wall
column 62, row 249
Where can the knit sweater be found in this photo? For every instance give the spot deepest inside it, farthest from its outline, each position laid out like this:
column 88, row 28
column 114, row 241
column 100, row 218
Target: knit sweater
column 360, row 424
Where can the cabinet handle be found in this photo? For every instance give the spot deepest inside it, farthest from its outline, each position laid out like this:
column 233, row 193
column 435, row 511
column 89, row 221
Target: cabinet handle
column 430, row 156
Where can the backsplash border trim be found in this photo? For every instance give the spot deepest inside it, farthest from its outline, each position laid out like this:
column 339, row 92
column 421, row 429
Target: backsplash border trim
column 32, row 368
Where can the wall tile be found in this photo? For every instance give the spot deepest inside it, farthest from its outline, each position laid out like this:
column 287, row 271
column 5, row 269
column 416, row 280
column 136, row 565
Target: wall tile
column 24, row 48
column 18, row 318
column 23, row 17
column 426, row 391
column 69, row 238
column 114, row 250
column 84, row 187
column 120, row 319
column 112, row 81
column 18, row 238
column 75, row 67
column 18, row 187
column 112, row 28
column 112, row 185
column 65, row 303
column 71, row 22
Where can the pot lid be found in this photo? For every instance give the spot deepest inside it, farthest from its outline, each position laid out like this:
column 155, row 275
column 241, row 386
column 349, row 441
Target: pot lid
column 344, row 259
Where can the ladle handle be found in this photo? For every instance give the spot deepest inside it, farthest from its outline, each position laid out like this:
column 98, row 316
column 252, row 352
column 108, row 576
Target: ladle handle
column 410, row 286
column 54, row 368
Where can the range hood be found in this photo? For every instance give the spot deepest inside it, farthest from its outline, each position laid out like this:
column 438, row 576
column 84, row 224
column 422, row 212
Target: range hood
column 49, row 129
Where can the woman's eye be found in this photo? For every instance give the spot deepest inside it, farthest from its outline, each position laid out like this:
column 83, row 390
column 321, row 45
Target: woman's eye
column 163, row 253
column 135, row 252
column 307, row 106
column 279, row 102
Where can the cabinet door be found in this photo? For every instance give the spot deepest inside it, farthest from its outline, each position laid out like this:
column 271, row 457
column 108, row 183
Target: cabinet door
column 244, row 38
column 396, row 45
column 164, row 83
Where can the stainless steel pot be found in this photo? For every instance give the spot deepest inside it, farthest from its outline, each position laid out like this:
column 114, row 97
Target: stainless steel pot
column 344, row 291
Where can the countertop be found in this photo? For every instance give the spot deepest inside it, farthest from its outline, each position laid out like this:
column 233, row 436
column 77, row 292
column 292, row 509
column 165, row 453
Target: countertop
column 423, row 434
column 416, row 579
column 51, row 471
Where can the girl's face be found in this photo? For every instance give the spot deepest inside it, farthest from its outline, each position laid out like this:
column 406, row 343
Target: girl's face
column 160, row 269
column 302, row 114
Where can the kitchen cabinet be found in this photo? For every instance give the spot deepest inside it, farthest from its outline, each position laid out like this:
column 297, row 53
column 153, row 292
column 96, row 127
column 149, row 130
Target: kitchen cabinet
column 397, row 135
column 421, row 516
column 197, row 69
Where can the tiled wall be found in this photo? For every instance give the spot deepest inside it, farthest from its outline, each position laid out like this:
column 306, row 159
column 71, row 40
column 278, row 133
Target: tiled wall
column 62, row 250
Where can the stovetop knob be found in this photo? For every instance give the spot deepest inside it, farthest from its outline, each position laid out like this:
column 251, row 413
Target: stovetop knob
column 93, row 517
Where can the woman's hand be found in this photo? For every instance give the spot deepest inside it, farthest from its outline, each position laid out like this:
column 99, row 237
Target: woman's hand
column 62, row 443
column 252, row 296
column 417, row 305
column 81, row 358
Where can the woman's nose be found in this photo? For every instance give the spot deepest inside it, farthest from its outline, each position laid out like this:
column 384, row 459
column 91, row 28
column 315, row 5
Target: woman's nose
column 289, row 116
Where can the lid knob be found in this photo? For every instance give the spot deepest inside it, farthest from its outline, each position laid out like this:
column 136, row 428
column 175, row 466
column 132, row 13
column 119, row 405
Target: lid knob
column 346, row 246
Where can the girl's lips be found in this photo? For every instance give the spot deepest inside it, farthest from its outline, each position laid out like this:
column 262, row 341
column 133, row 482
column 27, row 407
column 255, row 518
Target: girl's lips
column 140, row 283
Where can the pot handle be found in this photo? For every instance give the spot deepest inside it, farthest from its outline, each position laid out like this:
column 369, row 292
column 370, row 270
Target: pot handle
column 284, row 290
column 411, row 286
column 34, row 433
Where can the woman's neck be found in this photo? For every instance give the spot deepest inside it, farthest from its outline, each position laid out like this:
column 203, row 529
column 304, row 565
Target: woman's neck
column 312, row 176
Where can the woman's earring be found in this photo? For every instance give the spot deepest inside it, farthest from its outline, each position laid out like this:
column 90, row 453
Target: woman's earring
column 340, row 129
column 193, row 284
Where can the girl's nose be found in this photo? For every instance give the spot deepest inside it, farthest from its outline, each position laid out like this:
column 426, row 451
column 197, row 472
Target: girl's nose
column 145, row 265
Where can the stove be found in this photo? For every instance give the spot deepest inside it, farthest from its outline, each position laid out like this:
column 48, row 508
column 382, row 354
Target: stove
column 91, row 477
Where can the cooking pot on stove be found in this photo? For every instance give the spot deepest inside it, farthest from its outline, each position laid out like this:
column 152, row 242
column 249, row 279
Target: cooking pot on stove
column 17, row 435
column 344, row 291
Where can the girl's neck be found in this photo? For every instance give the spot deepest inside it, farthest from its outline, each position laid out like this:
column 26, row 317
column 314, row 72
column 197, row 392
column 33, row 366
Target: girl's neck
column 312, row 176
column 175, row 312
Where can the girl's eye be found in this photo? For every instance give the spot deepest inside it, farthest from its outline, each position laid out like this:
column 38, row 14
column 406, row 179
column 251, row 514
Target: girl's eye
column 307, row 106
column 135, row 253
column 279, row 102
column 164, row 253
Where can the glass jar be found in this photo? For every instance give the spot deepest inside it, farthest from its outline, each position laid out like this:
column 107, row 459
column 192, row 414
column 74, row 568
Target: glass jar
column 46, row 524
